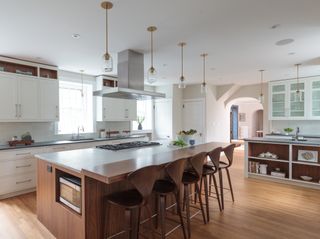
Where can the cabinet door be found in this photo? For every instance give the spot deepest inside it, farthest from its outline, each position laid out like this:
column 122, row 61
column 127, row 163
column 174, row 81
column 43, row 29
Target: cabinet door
column 297, row 101
column 49, row 100
column 278, row 100
column 8, row 98
column 28, row 99
column 315, row 99
column 130, row 109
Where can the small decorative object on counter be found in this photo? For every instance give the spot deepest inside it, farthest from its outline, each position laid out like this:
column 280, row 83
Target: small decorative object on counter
column 26, row 139
column 192, row 142
column 263, row 168
column 306, row 178
column 26, row 136
column 288, row 130
column 103, row 133
column 140, row 120
column 179, row 143
column 186, row 136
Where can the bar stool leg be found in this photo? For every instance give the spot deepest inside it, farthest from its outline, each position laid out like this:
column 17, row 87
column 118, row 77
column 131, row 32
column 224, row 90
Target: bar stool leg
column 230, row 185
column 150, row 221
column 162, row 217
column 187, row 202
column 205, row 179
column 217, row 191
column 177, row 196
column 157, row 211
column 210, row 183
column 221, row 188
column 201, row 204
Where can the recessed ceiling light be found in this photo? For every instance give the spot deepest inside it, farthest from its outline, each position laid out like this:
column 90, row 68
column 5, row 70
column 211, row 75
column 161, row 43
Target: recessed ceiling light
column 76, row 36
column 291, row 53
column 275, row 26
column 212, row 68
column 164, row 65
column 284, row 42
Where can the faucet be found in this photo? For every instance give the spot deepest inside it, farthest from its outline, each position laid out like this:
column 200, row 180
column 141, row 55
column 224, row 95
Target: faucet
column 297, row 133
column 80, row 128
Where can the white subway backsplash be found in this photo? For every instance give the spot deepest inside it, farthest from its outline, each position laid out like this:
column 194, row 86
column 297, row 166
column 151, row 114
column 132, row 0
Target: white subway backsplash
column 307, row 127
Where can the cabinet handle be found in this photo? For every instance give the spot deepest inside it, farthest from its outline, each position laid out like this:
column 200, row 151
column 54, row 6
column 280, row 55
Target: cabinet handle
column 25, row 181
column 24, row 166
column 126, row 113
column 104, row 113
column 57, row 112
column 16, row 110
column 20, row 110
column 23, row 154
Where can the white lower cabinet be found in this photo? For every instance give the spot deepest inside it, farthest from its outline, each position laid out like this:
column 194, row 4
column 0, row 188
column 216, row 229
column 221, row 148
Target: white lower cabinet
column 18, row 166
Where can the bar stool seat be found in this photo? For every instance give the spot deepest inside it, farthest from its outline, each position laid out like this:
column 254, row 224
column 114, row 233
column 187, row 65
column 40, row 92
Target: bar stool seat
column 163, row 186
column 128, row 199
column 223, row 164
column 207, row 170
column 189, row 177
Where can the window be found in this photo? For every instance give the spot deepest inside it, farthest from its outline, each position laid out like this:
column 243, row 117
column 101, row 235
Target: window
column 144, row 110
column 76, row 109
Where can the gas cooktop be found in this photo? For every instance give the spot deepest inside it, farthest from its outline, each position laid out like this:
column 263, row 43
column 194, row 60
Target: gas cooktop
column 130, row 145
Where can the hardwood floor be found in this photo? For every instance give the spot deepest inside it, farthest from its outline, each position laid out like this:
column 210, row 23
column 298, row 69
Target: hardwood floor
column 261, row 210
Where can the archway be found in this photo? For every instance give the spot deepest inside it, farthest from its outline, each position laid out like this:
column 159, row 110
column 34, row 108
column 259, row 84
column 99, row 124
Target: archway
column 246, row 118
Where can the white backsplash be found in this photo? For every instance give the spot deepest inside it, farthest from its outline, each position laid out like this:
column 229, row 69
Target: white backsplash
column 46, row 131
column 307, row 127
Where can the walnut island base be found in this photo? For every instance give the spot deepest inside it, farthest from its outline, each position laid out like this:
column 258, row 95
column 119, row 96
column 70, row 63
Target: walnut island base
column 101, row 172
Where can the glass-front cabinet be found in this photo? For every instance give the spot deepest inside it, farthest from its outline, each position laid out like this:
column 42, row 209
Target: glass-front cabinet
column 286, row 103
column 315, row 98
column 278, row 100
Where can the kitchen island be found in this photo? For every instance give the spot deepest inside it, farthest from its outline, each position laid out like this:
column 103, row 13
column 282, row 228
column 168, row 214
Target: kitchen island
column 284, row 160
column 100, row 172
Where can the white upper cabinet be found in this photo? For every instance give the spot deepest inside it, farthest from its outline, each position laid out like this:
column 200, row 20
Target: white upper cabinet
column 8, row 98
column 278, row 101
column 28, row 95
column 315, row 99
column 49, row 100
column 286, row 104
column 111, row 109
column 28, row 99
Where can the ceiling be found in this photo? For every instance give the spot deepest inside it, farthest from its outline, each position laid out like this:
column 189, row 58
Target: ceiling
column 237, row 35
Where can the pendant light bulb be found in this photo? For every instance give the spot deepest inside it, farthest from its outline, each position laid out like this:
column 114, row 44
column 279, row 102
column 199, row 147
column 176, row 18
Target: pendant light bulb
column 152, row 74
column 182, row 83
column 261, row 96
column 107, row 58
column 204, row 84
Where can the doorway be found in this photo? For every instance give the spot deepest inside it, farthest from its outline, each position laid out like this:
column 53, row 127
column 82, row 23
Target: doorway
column 234, row 123
column 193, row 117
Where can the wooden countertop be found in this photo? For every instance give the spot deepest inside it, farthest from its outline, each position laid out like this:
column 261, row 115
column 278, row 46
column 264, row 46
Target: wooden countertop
column 112, row 166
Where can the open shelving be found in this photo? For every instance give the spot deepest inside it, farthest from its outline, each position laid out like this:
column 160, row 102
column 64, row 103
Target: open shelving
column 287, row 162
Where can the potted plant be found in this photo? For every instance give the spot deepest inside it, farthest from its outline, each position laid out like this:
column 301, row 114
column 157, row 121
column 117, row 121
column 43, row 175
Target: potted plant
column 288, row 130
column 140, row 120
column 187, row 136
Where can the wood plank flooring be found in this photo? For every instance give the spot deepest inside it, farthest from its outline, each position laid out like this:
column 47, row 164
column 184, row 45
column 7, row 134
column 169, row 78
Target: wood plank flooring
column 262, row 210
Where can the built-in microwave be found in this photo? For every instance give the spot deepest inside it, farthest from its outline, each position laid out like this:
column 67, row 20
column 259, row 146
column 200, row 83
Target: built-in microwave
column 70, row 192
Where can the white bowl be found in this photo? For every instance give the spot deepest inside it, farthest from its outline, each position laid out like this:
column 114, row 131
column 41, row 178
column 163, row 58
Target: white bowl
column 306, row 178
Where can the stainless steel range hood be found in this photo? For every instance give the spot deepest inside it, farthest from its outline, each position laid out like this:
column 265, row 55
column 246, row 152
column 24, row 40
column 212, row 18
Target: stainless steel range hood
column 130, row 79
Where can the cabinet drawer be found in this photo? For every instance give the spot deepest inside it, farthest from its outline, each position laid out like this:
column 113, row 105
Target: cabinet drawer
column 17, row 183
column 7, row 155
column 19, row 166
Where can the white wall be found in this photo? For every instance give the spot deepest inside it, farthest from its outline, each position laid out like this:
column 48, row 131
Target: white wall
column 251, row 122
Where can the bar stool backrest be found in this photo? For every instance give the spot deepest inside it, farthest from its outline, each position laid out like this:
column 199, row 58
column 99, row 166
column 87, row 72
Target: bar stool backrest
column 214, row 156
column 228, row 151
column 143, row 180
column 175, row 171
column 197, row 163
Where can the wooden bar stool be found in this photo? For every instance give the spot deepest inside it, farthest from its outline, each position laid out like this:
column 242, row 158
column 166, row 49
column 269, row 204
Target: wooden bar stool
column 192, row 177
column 228, row 151
column 164, row 188
column 133, row 200
column 209, row 170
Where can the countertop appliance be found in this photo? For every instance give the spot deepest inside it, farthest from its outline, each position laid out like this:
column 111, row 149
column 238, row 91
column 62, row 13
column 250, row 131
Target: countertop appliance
column 130, row 145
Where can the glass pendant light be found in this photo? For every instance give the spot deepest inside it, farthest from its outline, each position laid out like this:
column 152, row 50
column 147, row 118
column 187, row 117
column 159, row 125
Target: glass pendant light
column 261, row 96
column 204, row 84
column 182, row 84
column 152, row 73
column 298, row 91
column 107, row 58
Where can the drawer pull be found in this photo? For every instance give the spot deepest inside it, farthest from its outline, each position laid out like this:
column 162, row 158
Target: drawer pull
column 26, row 181
column 19, row 154
column 24, row 166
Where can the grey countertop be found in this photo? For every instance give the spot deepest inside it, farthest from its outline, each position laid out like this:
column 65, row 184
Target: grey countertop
column 61, row 142
column 109, row 166
column 308, row 141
